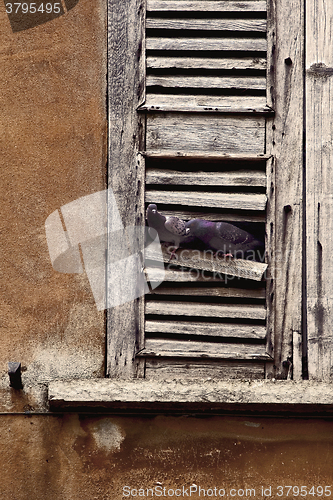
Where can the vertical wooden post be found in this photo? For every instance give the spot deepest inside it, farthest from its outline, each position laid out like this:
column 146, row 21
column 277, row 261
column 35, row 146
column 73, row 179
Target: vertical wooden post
column 319, row 187
column 125, row 172
column 285, row 142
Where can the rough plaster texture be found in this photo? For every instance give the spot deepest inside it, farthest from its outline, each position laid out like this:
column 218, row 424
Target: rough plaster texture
column 87, row 458
column 52, row 151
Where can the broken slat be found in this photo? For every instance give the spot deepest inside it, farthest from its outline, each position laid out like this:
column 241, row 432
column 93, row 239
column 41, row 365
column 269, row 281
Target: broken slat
column 206, row 6
column 200, row 44
column 236, row 201
column 207, row 310
column 174, row 369
column 229, row 217
column 207, row 24
column 204, row 261
column 207, row 329
column 155, row 62
column 191, row 349
column 204, row 82
column 254, row 178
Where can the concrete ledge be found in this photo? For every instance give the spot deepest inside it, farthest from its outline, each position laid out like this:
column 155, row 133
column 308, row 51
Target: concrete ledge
column 200, row 396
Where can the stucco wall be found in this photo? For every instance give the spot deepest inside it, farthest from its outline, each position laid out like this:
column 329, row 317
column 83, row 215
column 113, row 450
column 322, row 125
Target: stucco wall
column 52, row 147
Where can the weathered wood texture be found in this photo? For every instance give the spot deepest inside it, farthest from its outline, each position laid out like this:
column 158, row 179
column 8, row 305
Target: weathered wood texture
column 193, row 349
column 285, row 186
column 208, row 24
column 190, row 369
column 239, row 331
column 233, row 201
column 200, row 44
column 205, row 82
column 319, row 188
column 254, row 178
column 206, row 104
column 205, row 395
column 206, row 6
column 205, row 133
column 126, row 175
column 215, row 291
column 204, row 261
column 207, row 310
column 196, row 62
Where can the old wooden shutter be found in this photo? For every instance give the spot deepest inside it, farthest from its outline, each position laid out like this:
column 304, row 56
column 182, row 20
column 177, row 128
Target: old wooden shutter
column 189, row 120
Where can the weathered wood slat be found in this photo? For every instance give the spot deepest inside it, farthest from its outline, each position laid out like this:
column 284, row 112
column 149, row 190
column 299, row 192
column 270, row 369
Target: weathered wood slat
column 204, row 261
column 191, row 349
column 213, row 82
column 155, row 62
column 206, row 329
column 208, row 133
column 206, row 104
column 219, row 291
column 206, row 6
column 166, row 369
column 237, row 201
column 319, row 189
column 207, row 24
column 199, row 44
column 255, row 178
column 206, row 155
column 155, row 274
column 206, row 310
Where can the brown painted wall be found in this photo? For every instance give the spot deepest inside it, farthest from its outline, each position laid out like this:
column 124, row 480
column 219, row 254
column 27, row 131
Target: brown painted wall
column 52, row 147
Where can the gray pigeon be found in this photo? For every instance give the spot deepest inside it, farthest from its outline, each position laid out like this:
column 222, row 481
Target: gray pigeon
column 171, row 230
column 224, row 238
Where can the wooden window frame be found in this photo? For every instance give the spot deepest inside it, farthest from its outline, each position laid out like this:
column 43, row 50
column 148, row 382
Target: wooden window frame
column 298, row 83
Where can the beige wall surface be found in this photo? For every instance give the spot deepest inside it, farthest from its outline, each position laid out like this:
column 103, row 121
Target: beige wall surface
column 52, row 151
column 75, row 457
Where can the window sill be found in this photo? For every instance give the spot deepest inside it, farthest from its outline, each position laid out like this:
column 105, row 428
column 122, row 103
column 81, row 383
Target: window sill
column 195, row 396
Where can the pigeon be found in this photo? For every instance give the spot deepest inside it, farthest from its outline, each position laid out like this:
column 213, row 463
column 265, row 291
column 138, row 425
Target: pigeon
column 171, row 229
column 225, row 238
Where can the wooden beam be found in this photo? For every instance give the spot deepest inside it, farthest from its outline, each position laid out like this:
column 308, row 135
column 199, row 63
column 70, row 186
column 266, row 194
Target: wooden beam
column 126, row 171
column 285, row 176
column 207, row 82
column 319, row 188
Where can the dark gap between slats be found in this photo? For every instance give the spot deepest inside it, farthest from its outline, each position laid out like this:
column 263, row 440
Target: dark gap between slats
column 170, row 14
column 242, row 283
column 218, row 54
column 158, row 89
column 205, row 188
column 206, row 72
column 204, row 319
column 205, row 210
column 205, row 338
column 208, row 165
column 203, row 298
column 198, row 33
